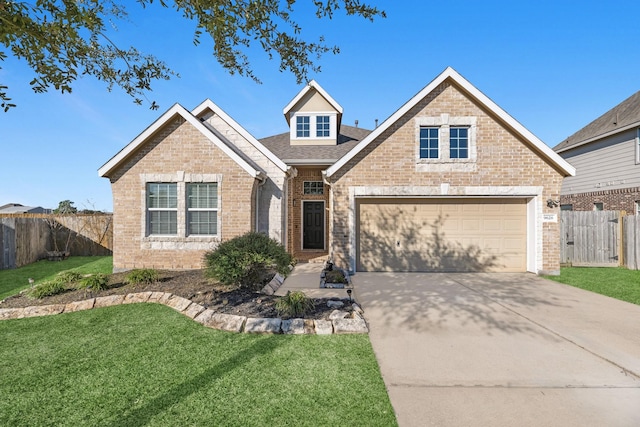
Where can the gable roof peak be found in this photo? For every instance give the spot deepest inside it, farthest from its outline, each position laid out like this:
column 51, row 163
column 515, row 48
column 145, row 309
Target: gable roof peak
column 311, row 85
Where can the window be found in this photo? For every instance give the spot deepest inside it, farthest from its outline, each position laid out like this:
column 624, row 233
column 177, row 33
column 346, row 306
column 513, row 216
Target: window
column 313, row 187
column 637, row 206
column 598, row 206
column 323, row 127
column 566, row 207
column 428, row 142
column 303, row 127
column 459, row 143
column 202, row 208
column 162, row 208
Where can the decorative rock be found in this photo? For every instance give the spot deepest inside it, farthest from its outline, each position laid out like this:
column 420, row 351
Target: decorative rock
column 350, row 326
column 357, row 308
column 164, row 299
column 193, row 310
column 262, row 325
column 278, row 278
column 79, row 305
column 11, row 313
column 43, row 310
column 108, row 301
column 178, row 303
column 204, row 316
column 338, row 314
column 137, row 297
column 309, row 327
column 155, row 297
column 323, row 327
column 226, row 322
column 293, row 326
column 335, row 304
column 268, row 290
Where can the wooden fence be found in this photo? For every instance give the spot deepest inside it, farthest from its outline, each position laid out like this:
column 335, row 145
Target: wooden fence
column 599, row 239
column 26, row 238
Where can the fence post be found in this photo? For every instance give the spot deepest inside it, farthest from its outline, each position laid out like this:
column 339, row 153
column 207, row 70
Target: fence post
column 621, row 239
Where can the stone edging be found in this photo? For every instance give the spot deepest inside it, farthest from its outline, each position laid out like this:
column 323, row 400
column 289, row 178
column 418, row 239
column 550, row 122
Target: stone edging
column 202, row 315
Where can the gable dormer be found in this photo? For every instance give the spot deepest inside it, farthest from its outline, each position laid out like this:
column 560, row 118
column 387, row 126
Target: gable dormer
column 314, row 117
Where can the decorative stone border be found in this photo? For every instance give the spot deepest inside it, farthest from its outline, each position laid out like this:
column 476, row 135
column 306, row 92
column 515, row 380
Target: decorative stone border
column 202, row 315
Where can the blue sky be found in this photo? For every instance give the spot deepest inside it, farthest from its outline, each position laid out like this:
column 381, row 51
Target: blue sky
column 553, row 65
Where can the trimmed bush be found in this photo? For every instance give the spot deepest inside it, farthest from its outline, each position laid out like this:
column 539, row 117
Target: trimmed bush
column 142, row 275
column 245, row 261
column 46, row 289
column 68, row 277
column 294, row 304
column 95, row 282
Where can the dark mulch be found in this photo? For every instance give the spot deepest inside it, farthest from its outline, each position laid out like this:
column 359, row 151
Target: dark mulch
column 190, row 284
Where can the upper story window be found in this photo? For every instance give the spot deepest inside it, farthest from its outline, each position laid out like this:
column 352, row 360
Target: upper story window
column 459, row 142
column 323, row 126
column 303, row 127
column 202, row 208
column 162, row 208
column 313, row 187
column 429, row 142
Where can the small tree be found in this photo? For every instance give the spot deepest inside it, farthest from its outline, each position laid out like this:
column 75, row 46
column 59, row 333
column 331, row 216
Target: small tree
column 65, row 207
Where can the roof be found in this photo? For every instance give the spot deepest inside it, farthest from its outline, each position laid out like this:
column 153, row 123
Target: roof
column 12, row 208
column 175, row 111
column 311, row 85
column 620, row 118
column 450, row 74
column 280, row 145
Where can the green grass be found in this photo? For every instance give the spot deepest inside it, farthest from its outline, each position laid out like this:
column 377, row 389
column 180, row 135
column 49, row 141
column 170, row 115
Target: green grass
column 145, row 364
column 618, row 283
column 13, row 281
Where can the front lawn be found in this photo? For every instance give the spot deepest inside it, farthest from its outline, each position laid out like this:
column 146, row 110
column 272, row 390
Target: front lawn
column 145, row 364
column 618, row 283
column 15, row 280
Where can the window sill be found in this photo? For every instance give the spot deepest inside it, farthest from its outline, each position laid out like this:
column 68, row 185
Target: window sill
column 174, row 243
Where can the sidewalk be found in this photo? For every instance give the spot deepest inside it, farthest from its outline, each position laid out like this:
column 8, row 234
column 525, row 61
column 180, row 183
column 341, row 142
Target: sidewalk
column 305, row 277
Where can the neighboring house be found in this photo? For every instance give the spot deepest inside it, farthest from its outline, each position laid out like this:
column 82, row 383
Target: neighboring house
column 606, row 154
column 449, row 182
column 16, row 208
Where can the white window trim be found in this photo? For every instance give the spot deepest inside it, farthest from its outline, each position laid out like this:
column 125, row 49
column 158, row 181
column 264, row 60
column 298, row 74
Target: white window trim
column 216, row 209
column 150, row 209
column 444, row 163
column 313, row 115
column 638, row 146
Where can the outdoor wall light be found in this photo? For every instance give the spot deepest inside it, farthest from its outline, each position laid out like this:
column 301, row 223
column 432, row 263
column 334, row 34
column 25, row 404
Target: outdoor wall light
column 553, row 203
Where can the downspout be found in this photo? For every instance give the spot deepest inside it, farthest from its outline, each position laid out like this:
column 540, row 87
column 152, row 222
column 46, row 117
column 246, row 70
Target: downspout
column 262, row 179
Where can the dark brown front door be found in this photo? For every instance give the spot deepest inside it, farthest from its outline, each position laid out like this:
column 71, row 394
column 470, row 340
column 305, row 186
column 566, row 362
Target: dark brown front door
column 313, row 225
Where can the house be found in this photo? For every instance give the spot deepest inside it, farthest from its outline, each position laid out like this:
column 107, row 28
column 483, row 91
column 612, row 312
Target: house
column 606, row 154
column 17, row 208
column 449, row 182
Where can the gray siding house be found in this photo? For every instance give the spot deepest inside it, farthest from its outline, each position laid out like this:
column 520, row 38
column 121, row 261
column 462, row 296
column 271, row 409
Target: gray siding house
column 606, row 155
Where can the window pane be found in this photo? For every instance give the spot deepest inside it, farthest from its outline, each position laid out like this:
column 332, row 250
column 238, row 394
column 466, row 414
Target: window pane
column 458, row 143
column 163, row 222
column 302, row 126
column 323, row 126
column 162, row 195
column 203, row 222
column 429, row 143
column 313, row 187
column 202, row 196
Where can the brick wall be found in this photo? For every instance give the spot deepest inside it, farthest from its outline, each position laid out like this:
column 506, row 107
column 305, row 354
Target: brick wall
column 502, row 160
column 623, row 199
column 177, row 151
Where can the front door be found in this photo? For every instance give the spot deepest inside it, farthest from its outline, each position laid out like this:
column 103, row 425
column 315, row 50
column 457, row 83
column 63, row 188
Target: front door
column 313, row 225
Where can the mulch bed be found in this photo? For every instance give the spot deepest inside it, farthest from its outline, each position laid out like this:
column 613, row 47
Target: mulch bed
column 190, row 284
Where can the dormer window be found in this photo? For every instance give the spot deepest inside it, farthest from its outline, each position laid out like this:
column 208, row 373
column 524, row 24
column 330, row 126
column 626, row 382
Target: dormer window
column 303, row 127
column 323, row 127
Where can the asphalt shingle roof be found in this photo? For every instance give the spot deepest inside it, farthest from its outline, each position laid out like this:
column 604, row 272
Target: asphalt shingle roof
column 280, row 145
column 622, row 115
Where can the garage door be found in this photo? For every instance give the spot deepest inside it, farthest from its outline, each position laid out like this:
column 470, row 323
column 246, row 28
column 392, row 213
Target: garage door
column 442, row 235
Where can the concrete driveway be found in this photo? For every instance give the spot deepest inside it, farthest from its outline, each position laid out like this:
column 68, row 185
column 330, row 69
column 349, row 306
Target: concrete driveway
column 502, row 350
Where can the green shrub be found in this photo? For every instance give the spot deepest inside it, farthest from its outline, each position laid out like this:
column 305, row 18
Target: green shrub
column 95, row 282
column 335, row 276
column 141, row 275
column 68, row 277
column 294, row 304
column 245, row 261
column 46, row 289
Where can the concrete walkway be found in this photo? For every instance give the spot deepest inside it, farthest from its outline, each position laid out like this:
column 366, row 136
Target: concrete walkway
column 305, row 277
column 502, row 350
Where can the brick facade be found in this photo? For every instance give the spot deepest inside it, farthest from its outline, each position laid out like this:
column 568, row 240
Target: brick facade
column 503, row 160
column 176, row 153
column 623, row 199
column 295, row 202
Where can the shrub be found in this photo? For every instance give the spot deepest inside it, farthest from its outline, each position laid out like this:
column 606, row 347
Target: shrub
column 46, row 289
column 244, row 261
column 95, row 282
column 69, row 277
column 141, row 275
column 294, row 304
column 335, row 276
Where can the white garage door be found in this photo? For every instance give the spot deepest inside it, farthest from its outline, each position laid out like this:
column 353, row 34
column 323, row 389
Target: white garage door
column 442, row 235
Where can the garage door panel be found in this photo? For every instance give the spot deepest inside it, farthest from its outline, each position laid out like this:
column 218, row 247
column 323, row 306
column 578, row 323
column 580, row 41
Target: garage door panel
column 441, row 235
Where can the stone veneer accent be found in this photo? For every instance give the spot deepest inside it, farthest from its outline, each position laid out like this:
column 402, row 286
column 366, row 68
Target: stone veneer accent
column 197, row 312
